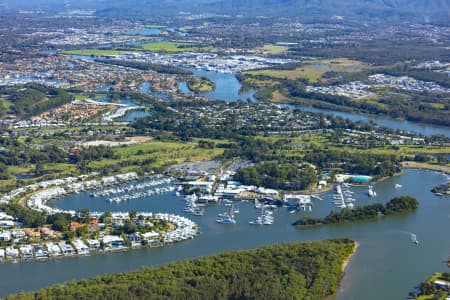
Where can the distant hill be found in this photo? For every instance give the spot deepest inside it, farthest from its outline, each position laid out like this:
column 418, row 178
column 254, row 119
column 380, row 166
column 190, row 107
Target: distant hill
column 309, row 270
column 396, row 10
column 401, row 9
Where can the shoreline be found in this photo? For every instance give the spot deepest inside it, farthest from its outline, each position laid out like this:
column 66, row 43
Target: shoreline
column 343, row 268
column 349, row 258
column 425, row 166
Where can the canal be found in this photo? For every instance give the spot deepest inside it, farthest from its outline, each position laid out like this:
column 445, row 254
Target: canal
column 386, row 266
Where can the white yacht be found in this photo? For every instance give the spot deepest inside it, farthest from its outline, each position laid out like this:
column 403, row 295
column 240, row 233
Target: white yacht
column 371, row 192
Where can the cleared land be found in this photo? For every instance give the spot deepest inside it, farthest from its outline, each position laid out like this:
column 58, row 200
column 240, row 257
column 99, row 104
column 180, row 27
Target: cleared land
column 313, row 69
column 128, row 141
column 306, row 72
column 172, row 47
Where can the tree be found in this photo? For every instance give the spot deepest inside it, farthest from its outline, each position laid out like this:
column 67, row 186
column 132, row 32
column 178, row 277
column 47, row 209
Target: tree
column 84, row 215
column 132, row 214
column 106, row 217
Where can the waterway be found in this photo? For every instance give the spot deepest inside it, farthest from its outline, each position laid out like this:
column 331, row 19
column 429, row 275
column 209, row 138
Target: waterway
column 386, row 266
column 227, row 86
column 131, row 115
column 227, row 89
column 424, row 129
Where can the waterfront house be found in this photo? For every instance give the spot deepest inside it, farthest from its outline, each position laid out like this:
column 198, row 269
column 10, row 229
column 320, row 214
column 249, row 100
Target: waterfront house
column 2, row 254
column 150, row 236
column 93, row 244
column 40, row 251
column 81, row 247
column 26, row 252
column 135, row 239
column 11, row 252
column 112, row 242
column 66, row 249
column 53, row 249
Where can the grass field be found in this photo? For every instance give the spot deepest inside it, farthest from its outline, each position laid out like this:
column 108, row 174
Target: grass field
column 274, row 49
column 172, row 47
column 313, row 69
column 160, row 153
column 339, row 64
column 301, row 72
column 148, row 155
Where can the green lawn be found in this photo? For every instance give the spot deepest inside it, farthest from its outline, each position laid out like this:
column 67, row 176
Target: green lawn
column 161, row 154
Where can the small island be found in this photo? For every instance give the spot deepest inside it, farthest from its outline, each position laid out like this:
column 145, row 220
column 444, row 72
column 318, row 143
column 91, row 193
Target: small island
column 436, row 286
column 361, row 213
column 441, row 190
column 309, row 270
column 200, row 85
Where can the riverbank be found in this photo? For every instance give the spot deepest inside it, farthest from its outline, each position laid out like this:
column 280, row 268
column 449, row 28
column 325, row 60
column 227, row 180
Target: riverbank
column 349, row 258
column 344, row 267
column 425, row 166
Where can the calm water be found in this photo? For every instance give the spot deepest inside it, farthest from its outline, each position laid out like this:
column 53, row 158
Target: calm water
column 424, row 129
column 131, row 115
column 145, row 88
column 227, row 89
column 386, row 266
column 227, row 86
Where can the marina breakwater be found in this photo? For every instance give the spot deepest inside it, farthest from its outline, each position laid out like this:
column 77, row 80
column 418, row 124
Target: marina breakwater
column 36, row 197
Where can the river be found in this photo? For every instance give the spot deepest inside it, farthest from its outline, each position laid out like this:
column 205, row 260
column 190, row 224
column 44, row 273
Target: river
column 227, row 89
column 386, row 266
column 227, row 86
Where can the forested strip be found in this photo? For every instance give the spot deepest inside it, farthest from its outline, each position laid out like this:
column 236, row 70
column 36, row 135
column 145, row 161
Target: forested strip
column 290, row 271
column 361, row 213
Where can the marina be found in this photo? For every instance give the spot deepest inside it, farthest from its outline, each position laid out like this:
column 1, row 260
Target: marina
column 364, row 274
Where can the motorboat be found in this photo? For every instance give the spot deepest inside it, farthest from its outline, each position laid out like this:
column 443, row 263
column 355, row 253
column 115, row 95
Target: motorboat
column 226, row 220
column 371, row 192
